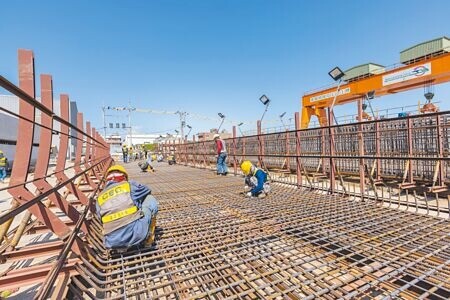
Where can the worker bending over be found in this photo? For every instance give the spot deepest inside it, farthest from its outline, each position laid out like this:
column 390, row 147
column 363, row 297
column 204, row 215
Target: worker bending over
column 256, row 184
column 127, row 211
column 146, row 166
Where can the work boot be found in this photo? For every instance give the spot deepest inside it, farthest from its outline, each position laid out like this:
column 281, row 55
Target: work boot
column 151, row 237
column 262, row 195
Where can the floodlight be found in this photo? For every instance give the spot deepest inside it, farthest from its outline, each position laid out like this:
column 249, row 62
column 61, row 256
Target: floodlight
column 370, row 95
column 240, row 124
column 336, row 73
column 188, row 126
column 222, row 116
column 282, row 115
column 264, row 99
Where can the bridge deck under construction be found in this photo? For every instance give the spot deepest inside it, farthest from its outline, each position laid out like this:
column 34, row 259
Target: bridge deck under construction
column 214, row 243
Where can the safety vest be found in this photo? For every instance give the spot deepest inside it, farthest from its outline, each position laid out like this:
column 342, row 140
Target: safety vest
column 117, row 208
column 3, row 162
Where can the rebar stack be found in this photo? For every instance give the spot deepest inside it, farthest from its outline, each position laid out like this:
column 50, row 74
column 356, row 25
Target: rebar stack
column 212, row 242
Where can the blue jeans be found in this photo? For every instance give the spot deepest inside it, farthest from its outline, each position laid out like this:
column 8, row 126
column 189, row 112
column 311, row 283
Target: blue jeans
column 221, row 164
column 136, row 232
column 2, row 173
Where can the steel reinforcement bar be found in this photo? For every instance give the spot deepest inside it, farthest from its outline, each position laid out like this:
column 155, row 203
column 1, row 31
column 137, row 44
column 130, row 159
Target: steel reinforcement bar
column 213, row 243
column 55, row 199
column 405, row 160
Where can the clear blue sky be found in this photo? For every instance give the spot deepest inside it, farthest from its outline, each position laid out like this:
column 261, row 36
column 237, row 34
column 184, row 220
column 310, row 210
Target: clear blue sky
column 211, row 56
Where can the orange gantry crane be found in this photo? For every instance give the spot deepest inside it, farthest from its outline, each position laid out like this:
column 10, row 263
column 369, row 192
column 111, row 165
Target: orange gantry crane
column 423, row 65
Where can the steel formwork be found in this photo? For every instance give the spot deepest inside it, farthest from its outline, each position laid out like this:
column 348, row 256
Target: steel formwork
column 213, row 243
column 55, row 200
column 380, row 159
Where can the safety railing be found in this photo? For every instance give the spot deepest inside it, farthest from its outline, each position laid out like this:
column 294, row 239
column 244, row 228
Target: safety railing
column 55, row 199
column 402, row 160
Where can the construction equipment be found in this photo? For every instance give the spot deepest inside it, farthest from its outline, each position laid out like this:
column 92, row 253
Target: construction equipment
column 423, row 65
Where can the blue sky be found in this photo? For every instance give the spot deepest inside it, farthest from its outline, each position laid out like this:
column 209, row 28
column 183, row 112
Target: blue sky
column 206, row 57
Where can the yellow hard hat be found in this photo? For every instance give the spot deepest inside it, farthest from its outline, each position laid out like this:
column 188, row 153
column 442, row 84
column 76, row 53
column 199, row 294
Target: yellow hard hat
column 117, row 168
column 246, row 167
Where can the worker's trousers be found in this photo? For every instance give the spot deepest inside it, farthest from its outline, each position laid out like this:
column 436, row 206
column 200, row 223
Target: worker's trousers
column 150, row 210
column 221, row 163
column 2, row 173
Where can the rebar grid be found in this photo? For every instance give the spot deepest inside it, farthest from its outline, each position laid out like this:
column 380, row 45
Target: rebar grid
column 214, row 243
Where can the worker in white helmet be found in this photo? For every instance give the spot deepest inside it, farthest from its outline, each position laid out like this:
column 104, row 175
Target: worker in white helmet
column 221, row 155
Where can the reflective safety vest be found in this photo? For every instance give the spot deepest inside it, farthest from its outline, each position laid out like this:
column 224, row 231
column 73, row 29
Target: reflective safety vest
column 117, row 208
column 3, row 162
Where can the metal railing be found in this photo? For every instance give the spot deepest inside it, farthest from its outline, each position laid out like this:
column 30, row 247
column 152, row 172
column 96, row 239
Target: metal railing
column 406, row 159
column 55, row 200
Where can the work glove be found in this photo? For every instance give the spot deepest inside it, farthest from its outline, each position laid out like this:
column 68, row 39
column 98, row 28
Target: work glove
column 247, row 188
column 249, row 194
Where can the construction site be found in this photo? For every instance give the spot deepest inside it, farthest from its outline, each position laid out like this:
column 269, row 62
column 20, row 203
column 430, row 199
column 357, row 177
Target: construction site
column 357, row 210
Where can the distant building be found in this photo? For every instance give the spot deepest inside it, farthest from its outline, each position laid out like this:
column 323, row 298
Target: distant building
column 9, row 125
column 141, row 139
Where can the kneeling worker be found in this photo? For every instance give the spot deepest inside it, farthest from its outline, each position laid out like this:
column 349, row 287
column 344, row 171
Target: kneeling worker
column 127, row 211
column 146, row 166
column 256, row 184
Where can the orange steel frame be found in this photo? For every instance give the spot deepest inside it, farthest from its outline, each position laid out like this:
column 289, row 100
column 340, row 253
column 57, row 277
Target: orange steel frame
column 440, row 73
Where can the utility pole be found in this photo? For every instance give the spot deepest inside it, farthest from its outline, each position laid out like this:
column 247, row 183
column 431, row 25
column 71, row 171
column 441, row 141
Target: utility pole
column 104, row 120
column 129, row 123
column 182, row 115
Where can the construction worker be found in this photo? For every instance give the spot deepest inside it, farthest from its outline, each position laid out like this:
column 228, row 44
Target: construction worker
column 3, row 166
column 127, row 211
column 221, row 155
column 125, row 153
column 160, row 157
column 256, row 184
column 146, row 166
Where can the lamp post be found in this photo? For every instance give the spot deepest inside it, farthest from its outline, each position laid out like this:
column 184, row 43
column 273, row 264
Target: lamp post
column 190, row 128
column 282, row 122
column 239, row 127
column 266, row 101
column 222, row 116
column 336, row 73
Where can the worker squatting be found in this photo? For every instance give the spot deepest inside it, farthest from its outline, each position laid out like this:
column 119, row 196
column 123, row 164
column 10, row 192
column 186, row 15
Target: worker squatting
column 128, row 211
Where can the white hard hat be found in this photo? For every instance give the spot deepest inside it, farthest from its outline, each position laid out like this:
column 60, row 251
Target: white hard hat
column 216, row 136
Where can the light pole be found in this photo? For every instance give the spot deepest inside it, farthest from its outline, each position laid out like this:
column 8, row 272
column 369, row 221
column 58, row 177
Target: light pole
column 182, row 115
column 266, row 101
column 282, row 122
column 336, row 73
column 239, row 127
column 190, row 128
column 222, row 116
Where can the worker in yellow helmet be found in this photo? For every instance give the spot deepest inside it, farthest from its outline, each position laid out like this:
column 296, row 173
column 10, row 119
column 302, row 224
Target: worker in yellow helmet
column 3, row 166
column 256, row 184
column 127, row 211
